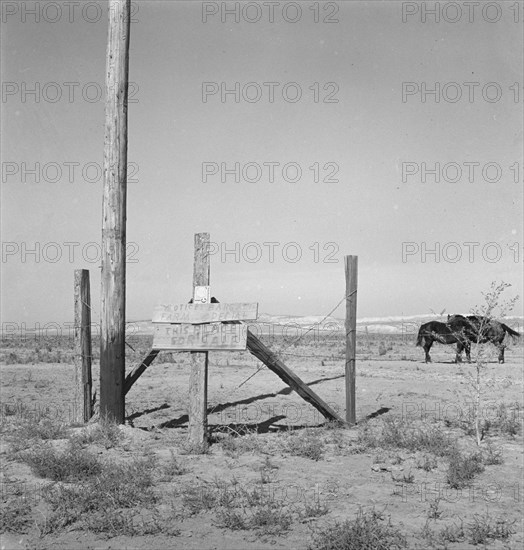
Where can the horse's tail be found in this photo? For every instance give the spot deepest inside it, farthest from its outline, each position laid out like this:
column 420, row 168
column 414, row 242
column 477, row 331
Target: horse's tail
column 510, row 331
column 419, row 337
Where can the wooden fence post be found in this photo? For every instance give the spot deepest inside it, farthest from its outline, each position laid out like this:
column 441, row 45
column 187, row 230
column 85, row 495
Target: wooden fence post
column 351, row 269
column 199, row 360
column 112, row 311
column 82, row 408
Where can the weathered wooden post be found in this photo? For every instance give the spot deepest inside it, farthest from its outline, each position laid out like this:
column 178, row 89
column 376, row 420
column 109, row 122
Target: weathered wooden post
column 82, row 408
column 112, row 322
column 199, row 360
column 351, row 268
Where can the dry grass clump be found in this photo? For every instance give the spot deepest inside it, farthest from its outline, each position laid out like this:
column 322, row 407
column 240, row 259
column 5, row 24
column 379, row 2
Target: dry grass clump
column 172, row 468
column 73, row 464
column 503, row 420
column 463, row 468
column 97, row 502
column 368, row 531
column 15, row 515
column 23, row 426
column 482, row 529
column 239, row 507
column 106, row 433
column 393, row 433
column 307, row 444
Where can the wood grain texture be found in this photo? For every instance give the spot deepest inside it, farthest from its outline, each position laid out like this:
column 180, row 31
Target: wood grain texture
column 135, row 374
column 351, row 270
column 209, row 336
column 199, row 361
column 83, row 400
column 113, row 276
column 205, row 313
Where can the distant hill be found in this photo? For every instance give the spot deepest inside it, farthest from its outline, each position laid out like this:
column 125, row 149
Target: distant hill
column 396, row 324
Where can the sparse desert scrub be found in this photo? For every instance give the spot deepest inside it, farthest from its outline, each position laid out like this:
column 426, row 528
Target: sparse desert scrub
column 344, row 479
column 305, row 443
column 15, row 515
column 246, row 507
column 116, row 486
column 72, row 464
column 367, row 531
column 104, row 432
column 481, row 529
column 463, row 468
column 172, row 468
column 393, row 433
column 23, row 426
column 235, row 442
column 505, row 420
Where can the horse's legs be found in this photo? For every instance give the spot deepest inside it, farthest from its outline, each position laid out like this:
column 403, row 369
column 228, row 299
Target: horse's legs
column 501, row 352
column 427, row 346
column 458, row 356
column 467, row 347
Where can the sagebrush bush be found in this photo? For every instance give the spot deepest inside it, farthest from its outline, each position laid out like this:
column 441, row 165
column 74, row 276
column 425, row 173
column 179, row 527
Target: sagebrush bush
column 484, row 527
column 463, row 468
column 368, row 531
column 116, row 486
column 73, row 464
column 306, row 444
column 15, row 515
column 104, row 433
column 395, row 433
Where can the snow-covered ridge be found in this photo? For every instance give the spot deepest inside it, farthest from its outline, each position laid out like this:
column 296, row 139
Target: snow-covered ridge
column 393, row 324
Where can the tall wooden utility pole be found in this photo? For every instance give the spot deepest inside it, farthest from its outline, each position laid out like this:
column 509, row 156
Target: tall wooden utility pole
column 351, row 268
column 112, row 322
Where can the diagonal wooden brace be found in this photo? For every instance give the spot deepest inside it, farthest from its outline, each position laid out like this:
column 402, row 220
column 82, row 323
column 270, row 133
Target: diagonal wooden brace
column 134, row 375
column 264, row 354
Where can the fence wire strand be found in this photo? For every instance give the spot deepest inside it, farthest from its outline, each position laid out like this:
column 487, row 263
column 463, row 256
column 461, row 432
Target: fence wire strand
column 280, row 352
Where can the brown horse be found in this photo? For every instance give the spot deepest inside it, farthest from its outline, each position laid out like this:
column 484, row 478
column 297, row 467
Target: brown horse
column 435, row 331
column 481, row 330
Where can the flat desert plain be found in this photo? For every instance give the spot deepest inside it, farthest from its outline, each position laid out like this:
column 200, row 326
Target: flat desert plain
column 276, row 474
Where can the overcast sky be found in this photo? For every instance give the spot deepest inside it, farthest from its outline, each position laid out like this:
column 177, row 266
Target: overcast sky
column 338, row 93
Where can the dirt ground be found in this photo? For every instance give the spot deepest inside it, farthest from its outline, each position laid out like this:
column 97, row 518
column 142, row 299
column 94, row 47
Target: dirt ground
column 396, row 384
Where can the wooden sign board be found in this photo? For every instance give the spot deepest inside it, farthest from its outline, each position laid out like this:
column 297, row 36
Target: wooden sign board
column 211, row 336
column 205, row 313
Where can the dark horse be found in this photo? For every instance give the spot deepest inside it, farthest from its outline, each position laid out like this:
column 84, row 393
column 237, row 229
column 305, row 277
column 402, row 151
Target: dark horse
column 481, row 330
column 435, row 331
column 463, row 331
